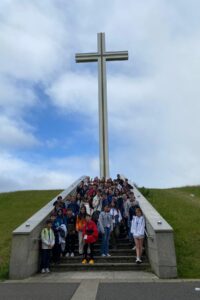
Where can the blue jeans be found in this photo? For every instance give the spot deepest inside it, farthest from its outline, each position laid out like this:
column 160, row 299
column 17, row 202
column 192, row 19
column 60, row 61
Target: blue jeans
column 105, row 241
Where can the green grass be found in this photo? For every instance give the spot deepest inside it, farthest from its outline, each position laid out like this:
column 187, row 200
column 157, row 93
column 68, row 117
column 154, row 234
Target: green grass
column 15, row 208
column 182, row 211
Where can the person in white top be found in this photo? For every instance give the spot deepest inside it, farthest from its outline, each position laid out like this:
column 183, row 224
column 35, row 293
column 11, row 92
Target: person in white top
column 96, row 202
column 48, row 241
column 138, row 229
column 89, row 209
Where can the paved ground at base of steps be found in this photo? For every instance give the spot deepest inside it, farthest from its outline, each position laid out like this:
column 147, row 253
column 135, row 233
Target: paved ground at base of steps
column 75, row 276
column 99, row 286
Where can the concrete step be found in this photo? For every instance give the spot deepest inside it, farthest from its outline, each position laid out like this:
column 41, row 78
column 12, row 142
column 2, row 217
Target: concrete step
column 113, row 252
column 100, row 259
column 64, row 267
column 118, row 252
column 119, row 246
column 122, row 258
column 119, row 240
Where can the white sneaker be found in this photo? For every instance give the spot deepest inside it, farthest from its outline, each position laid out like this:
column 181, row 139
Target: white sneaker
column 138, row 261
column 134, row 248
column 43, row 271
column 108, row 255
column 67, row 254
column 72, row 254
column 47, row 270
column 103, row 255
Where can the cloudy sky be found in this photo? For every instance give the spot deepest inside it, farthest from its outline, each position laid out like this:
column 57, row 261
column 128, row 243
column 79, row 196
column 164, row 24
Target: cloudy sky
column 49, row 104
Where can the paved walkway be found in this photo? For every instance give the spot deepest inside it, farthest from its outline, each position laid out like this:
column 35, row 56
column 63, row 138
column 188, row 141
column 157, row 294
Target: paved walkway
column 148, row 291
column 102, row 276
column 37, row 291
column 99, row 286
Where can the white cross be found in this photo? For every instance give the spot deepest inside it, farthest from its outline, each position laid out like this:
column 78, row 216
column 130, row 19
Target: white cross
column 102, row 56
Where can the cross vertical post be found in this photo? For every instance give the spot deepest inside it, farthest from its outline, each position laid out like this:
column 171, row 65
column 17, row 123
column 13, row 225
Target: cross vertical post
column 103, row 113
column 101, row 57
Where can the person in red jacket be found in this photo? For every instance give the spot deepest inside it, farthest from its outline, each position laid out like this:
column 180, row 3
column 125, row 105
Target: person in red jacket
column 90, row 236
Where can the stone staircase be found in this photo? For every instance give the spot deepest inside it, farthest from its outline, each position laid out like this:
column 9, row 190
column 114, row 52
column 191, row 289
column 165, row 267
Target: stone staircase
column 121, row 259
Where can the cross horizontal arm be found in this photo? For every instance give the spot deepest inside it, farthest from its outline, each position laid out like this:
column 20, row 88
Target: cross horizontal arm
column 119, row 55
column 86, row 57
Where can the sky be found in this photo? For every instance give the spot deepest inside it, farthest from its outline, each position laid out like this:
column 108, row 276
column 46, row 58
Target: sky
column 49, row 104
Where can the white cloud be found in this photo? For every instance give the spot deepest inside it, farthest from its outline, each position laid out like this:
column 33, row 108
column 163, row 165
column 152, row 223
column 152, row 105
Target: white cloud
column 18, row 174
column 15, row 98
column 153, row 99
column 14, row 135
column 33, row 39
column 75, row 92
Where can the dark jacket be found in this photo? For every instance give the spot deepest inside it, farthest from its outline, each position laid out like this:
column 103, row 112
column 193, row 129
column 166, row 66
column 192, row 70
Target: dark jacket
column 74, row 207
column 71, row 224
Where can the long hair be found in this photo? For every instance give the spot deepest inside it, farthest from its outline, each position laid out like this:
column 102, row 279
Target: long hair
column 82, row 215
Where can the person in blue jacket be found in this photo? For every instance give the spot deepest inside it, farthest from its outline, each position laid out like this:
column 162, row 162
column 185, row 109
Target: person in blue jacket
column 106, row 201
column 57, row 221
column 71, row 233
column 60, row 219
column 74, row 206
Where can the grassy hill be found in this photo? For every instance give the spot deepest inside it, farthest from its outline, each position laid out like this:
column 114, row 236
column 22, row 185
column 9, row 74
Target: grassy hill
column 15, row 208
column 179, row 206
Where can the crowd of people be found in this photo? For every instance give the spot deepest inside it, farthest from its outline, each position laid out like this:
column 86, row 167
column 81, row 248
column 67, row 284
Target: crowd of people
column 98, row 209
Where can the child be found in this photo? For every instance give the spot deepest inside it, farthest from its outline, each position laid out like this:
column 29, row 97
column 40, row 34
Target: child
column 74, row 206
column 106, row 227
column 60, row 232
column 80, row 222
column 56, row 250
column 60, row 218
column 90, row 236
column 137, row 229
column 71, row 233
column 48, row 241
column 88, row 206
column 116, row 218
column 126, row 204
column 133, row 205
column 96, row 202
column 105, row 201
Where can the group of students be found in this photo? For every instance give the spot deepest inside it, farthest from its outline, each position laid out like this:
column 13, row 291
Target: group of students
column 98, row 208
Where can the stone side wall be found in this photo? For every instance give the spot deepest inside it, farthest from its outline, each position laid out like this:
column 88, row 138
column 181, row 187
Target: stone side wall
column 160, row 240
column 24, row 260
